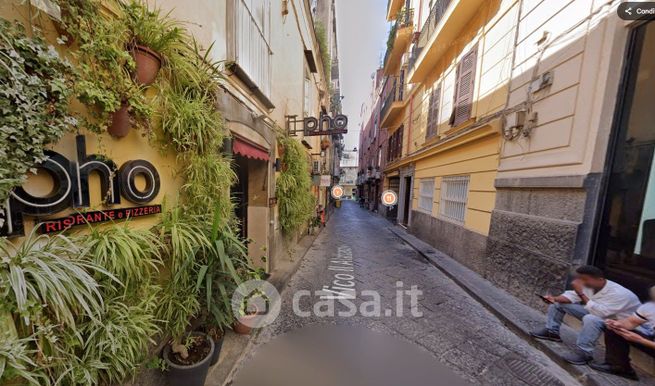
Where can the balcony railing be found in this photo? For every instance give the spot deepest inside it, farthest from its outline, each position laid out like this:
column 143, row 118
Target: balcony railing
column 395, row 90
column 436, row 14
column 404, row 19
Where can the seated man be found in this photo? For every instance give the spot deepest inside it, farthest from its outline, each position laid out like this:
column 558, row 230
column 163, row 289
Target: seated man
column 637, row 328
column 593, row 299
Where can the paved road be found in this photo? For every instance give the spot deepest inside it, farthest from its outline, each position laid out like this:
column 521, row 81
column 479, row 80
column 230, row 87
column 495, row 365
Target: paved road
column 453, row 329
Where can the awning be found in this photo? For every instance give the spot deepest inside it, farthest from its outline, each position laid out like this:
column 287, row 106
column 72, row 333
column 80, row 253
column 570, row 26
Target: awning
column 248, row 149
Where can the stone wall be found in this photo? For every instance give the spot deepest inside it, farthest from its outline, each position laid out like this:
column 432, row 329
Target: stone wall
column 539, row 233
column 464, row 245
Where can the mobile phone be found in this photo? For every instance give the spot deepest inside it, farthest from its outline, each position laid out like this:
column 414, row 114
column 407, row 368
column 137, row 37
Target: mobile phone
column 544, row 299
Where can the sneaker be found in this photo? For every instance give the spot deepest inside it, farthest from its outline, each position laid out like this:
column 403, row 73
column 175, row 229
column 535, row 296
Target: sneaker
column 577, row 358
column 628, row 373
column 546, row 334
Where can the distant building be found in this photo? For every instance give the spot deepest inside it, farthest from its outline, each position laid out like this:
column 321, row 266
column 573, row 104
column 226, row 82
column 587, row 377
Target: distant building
column 349, row 167
column 519, row 138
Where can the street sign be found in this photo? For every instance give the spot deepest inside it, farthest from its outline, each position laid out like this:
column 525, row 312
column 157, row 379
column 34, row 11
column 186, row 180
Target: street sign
column 337, row 192
column 389, row 198
column 325, row 181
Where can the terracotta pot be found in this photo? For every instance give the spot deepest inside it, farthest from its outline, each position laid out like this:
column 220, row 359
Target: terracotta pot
column 148, row 63
column 325, row 144
column 241, row 328
column 120, row 122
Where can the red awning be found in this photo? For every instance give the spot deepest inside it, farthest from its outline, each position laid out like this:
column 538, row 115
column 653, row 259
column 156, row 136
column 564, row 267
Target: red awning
column 249, row 150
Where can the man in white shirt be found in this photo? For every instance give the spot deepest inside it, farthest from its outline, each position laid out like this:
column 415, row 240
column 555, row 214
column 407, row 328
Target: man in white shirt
column 637, row 329
column 593, row 299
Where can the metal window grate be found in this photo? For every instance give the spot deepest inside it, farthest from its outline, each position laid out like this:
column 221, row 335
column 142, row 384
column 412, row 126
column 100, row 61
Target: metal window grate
column 426, row 194
column 454, row 194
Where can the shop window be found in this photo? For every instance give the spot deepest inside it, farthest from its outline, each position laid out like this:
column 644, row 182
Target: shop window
column 454, row 193
column 426, row 194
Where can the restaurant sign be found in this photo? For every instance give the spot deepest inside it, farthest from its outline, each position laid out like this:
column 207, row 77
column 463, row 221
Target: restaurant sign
column 71, row 190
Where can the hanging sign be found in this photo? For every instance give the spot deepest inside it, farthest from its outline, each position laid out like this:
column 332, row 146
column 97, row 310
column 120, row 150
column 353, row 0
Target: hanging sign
column 389, row 198
column 325, row 181
column 71, row 189
column 325, row 125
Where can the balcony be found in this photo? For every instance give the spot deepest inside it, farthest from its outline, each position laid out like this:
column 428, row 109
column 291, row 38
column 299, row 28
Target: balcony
column 249, row 49
column 394, row 100
column 393, row 7
column 400, row 36
column 444, row 24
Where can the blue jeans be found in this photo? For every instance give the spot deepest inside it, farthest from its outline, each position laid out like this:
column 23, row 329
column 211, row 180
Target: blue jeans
column 592, row 326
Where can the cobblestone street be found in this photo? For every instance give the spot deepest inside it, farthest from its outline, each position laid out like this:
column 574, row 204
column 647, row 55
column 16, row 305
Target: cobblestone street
column 454, row 328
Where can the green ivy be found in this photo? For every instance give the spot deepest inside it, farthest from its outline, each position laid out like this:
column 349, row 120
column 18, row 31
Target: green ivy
column 293, row 187
column 35, row 84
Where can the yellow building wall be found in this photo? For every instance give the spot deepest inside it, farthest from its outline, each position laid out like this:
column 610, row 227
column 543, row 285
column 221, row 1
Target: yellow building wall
column 477, row 158
column 492, row 30
column 132, row 147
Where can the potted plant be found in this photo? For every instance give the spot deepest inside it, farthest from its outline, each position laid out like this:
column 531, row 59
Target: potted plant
column 120, row 121
column 188, row 362
column 242, row 325
column 153, row 35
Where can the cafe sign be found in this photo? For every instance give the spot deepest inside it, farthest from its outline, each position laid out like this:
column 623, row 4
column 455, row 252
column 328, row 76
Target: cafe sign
column 71, row 190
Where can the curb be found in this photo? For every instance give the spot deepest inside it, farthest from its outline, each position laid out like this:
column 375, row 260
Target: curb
column 515, row 315
column 279, row 281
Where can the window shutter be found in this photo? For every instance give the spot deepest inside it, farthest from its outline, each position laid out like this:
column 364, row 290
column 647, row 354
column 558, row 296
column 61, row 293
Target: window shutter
column 464, row 87
column 433, row 114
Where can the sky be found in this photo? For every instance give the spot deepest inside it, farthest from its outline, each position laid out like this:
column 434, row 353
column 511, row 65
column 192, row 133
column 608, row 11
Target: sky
column 361, row 36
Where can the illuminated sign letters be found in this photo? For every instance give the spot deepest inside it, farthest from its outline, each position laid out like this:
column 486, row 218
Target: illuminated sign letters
column 71, row 187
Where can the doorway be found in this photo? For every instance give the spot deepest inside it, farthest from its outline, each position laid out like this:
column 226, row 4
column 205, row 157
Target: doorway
column 626, row 242
column 392, row 212
column 407, row 201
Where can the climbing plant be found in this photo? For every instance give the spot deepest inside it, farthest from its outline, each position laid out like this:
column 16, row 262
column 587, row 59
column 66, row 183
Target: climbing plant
column 126, row 285
column 35, row 84
column 293, row 189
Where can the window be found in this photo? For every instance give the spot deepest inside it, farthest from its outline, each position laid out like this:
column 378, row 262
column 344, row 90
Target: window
column 307, row 95
column 315, row 167
column 249, row 43
column 433, row 111
column 426, row 194
column 394, row 150
column 464, row 87
column 454, row 193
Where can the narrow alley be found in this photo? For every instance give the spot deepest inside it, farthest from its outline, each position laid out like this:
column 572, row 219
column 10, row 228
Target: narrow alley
column 454, row 328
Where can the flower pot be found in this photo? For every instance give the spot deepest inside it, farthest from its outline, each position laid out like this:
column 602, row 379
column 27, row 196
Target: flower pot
column 148, row 63
column 218, row 345
column 325, row 143
column 120, row 122
column 243, row 329
column 188, row 375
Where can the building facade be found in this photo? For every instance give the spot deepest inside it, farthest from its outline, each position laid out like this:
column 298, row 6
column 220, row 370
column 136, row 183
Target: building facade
column 516, row 137
column 275, row 71
column 278, row 71
column 349, row 169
